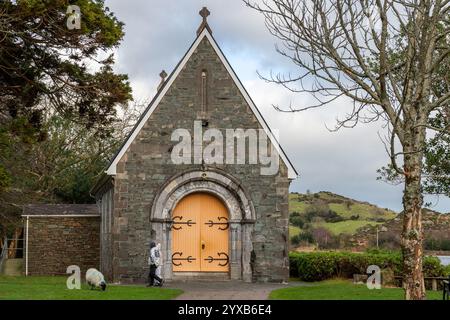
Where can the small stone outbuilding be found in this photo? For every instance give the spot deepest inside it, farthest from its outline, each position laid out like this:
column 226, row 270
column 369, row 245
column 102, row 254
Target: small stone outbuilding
column 60, row 235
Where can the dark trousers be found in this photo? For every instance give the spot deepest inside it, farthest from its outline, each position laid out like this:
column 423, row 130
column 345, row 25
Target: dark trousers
column 152, row 276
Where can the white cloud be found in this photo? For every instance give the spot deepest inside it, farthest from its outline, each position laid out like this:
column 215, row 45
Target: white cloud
column 159, row 32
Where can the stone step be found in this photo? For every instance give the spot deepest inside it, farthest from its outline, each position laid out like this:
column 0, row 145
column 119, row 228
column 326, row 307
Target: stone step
column 200, row 276
column 12, row 267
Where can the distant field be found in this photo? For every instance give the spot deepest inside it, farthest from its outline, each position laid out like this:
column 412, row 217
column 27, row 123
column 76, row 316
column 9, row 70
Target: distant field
column 296, row 205
column 356, row 213
column 349, row 226
column 363, row 210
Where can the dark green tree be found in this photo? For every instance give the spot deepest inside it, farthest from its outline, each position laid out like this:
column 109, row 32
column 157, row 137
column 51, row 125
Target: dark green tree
column 56, row 83
column 46, row 67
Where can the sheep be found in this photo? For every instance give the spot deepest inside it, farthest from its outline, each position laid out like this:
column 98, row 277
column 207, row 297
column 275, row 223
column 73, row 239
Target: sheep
column 95, row 279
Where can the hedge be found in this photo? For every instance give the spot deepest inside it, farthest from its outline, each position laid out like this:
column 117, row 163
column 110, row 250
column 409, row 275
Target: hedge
column 317, row 266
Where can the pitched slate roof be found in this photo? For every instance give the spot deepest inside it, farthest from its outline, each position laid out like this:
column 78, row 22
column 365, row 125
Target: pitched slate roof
column 60, row 210
column 111, row 169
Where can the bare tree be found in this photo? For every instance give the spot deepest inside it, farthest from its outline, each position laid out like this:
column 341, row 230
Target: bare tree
column 384, row 56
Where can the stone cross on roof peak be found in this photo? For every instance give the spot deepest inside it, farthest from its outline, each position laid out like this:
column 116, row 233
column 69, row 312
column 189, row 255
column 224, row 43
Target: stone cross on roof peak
column 204, row 13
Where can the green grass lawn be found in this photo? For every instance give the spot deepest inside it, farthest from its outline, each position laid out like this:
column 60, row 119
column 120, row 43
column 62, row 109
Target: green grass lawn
column 342, row 290
column 364, row 211
column 54, row 288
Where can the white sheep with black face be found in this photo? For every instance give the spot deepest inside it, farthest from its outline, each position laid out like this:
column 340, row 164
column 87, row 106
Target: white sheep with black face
column 95, row 279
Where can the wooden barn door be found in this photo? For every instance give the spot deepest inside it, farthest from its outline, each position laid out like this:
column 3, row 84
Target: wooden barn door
column 200, row 235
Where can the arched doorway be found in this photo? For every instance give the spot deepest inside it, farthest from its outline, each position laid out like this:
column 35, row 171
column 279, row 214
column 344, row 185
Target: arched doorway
column 200, row 234
column 241, row 219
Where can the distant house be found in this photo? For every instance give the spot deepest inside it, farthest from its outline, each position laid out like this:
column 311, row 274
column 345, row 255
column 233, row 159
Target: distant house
column 214, row 220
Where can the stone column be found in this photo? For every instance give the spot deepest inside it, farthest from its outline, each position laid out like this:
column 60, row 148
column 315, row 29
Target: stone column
column 167, row 267
column 235, row 248
column 247, row 247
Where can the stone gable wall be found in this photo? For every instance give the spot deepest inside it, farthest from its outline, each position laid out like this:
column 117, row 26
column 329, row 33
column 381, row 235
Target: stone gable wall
column 147, row 165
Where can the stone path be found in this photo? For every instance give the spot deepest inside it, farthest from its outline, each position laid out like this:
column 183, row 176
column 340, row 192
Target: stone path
column 226, row 290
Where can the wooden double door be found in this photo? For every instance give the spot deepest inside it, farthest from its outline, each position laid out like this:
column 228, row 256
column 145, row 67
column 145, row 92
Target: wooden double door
column 200, row 232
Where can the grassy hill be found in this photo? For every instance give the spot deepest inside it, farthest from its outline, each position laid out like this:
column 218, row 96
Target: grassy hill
column 335, row 213
column 436, row 228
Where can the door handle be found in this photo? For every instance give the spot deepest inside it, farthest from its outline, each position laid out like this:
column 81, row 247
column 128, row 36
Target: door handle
column 203, row 245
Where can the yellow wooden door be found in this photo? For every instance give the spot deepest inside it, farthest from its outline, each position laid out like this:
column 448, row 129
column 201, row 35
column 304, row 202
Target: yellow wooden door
column 200, row 235
column 186, row 234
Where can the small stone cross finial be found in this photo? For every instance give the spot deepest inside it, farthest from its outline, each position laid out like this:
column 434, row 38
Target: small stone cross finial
column 204, row 13
column 163, row 76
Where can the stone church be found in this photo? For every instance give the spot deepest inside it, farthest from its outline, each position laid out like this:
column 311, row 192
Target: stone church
column 214, row 220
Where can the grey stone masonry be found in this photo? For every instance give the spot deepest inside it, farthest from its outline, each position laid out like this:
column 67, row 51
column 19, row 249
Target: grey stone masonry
column 146, row 168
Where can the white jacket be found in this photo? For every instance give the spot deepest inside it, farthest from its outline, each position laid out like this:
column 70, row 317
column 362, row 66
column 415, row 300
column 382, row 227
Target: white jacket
column 155, row 256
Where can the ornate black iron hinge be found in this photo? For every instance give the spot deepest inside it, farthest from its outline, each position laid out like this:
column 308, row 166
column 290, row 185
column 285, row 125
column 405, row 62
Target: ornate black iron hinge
column 210, row 223
column 189, row 223
column 222, row 264
column 189, row 259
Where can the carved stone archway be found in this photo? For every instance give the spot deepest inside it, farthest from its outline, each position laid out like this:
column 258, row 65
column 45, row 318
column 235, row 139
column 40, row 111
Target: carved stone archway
column 227, row 189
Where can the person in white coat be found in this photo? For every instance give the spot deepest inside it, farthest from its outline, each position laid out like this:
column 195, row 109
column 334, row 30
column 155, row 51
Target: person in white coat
column 158, row 271
column 154, row 262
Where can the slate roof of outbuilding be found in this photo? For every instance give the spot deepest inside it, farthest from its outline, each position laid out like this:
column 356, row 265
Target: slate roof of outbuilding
column 60, row 209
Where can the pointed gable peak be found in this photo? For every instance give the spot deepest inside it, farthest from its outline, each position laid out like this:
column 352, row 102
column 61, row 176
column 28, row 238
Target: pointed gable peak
column 204, row 13
column 204, row 32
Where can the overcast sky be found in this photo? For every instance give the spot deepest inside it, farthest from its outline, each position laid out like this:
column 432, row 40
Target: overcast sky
column 159, row 32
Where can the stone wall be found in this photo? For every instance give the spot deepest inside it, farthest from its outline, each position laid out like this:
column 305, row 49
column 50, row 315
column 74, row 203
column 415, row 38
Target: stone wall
column 54, row 243
column 146, row 166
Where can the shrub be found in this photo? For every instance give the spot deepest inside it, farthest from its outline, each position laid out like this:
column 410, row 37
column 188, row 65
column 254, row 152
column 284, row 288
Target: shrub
column 318, row 266
column 321, row 210
column 432, row 267
column 388, row 240
column 306, row 236
column 321, row 235
column 302, row 237
column 315, row 267
column 335, row 219
column 437, row 244
column 297, row 221
column 293, row 268
column 295, row 240
column 447, row 271
column 316, row 209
